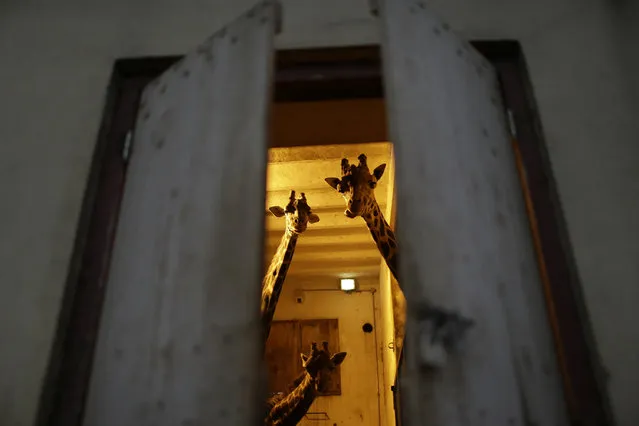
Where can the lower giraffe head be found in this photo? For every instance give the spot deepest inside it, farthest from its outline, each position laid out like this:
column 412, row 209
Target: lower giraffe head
column 298, row 214
column 319, row 363
column 357, row 185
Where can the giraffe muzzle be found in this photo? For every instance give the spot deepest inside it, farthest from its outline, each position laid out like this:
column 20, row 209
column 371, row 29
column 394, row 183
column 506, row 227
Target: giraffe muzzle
column 355, row 206
column 300, row 228
column 349, row 214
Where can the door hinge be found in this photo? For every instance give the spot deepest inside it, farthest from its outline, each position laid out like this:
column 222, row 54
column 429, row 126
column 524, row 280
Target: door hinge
column 127, row 145
column 511, row 123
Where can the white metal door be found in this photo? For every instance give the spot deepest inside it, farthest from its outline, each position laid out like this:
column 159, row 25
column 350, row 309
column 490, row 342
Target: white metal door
column 463, row 232
column 179, row 341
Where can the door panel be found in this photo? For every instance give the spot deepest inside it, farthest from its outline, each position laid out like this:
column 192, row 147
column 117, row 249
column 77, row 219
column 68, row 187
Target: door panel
column 179, row 340
column 463, row 232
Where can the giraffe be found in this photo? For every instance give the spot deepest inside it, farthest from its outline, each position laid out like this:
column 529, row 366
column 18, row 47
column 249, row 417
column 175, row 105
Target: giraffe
column 290, row 409
column 357, row 186
column 298, row 215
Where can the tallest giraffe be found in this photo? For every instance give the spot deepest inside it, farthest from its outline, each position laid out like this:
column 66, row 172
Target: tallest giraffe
column 357, row 186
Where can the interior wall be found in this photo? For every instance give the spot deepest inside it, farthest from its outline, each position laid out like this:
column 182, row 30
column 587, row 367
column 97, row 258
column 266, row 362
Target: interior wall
column 57, row 59
column 312, row 123
column 388, row 337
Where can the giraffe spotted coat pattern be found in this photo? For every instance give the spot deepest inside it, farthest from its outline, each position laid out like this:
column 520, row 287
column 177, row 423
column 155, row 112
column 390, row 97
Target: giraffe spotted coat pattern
column 298, row 215
column 357, row 186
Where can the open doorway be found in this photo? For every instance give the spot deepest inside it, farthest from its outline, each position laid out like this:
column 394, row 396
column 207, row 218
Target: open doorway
column 309, row 138
column 324, row 112
column 335, row 248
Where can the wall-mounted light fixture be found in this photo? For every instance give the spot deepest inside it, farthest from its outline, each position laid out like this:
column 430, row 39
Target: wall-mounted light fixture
column 347, row 284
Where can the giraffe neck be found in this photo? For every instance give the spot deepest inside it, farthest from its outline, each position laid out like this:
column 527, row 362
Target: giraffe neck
column 291, row 409
column 274, row 279
column 275, row 399
column 296, row 382
column 384, row 237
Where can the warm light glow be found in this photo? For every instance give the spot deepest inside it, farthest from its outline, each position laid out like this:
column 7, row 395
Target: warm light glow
column 347, row 284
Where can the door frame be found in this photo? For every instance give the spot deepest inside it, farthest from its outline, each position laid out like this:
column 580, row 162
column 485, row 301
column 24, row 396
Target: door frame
column 345, row 72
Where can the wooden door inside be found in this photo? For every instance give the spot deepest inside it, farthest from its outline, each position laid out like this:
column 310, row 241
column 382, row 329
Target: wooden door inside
column 290, row 338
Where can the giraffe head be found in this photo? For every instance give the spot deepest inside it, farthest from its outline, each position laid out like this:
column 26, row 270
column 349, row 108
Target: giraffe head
column 319, row 363
column 298, row 214
column 357, row 186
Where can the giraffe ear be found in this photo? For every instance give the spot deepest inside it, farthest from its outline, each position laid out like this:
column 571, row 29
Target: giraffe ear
column 313, row 218
column 277, row 211
column 333, row 182
column 338, row 358
column 379, row 171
